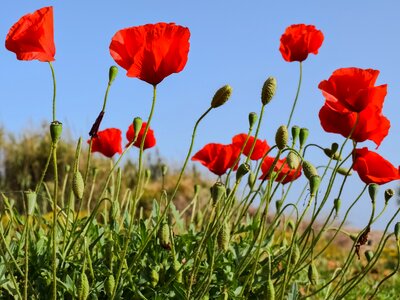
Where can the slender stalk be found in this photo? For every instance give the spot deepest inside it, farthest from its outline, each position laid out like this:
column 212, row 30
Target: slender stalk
column 54, row 90
column 297, row 94
column 54, row 228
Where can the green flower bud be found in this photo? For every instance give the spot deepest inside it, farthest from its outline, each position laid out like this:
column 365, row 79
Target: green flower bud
column 178, row 271
column 397, row 231
column 291, row 224
column 344, row 171
column 223, row 237
column 137, row 126
column 309, row 169
column 242, row 170
column 281, row 137
column 312, row 273
column 373, row 191
column 278, row 204
column 251, row 180
column 83, row 287
column 164, row 170
column 369, row 255
column 314, row 184
column 332, row 154
column 55, row 131
column 78, row 185
column 31, row 198
column 109, row 285
column 293, row 160
column 295, row 133
column 154, row 278
column 303, row 136
column 336, row 204
column 112, row 74
column 218, row 191
column 221, row 96
column 268, row 90
column 252, row 119
column 163, row 235
column 389, row 193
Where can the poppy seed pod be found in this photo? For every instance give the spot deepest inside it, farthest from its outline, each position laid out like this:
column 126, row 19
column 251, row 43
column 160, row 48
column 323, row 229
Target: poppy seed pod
column 252, row 119
column 242, row 170
column 373, row 191
column 137, row 126
column 389, row 193
column 295, row 133
column 268, row 90
column 55, row 131
column 221, row 96
column 303, row 136
column 281, row 137
column 309, row 169
column 112, row 74
column 218, row 190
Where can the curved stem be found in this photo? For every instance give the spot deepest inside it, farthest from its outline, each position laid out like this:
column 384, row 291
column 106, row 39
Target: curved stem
column 54, row 90
column 297, row 94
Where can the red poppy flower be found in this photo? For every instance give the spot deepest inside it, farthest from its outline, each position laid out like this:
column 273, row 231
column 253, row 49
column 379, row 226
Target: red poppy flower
column 354, row 88
column 151, row 52
column 260, row 148
column 350, row 91
column 217, row 158
column 149, row 142
column 300, row 40
column 373, row 168
column 285, row 174
column 32, row 37
column 107, row 142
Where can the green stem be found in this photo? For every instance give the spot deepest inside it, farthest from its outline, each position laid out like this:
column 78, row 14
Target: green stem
column 54, row 90
column 54, row 252
column 297, row 94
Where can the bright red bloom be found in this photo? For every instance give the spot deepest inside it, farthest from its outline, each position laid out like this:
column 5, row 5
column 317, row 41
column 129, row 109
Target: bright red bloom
column 217, row 158
column 350, row 91
column 151, row 52
column 300, row 40
column 32, row 37
column 285, row 175
column 107, row 142
column 149, row 142
column 373, row 168
column 260, row 148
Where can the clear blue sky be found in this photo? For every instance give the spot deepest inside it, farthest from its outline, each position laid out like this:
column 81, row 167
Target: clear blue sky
column 234, row 42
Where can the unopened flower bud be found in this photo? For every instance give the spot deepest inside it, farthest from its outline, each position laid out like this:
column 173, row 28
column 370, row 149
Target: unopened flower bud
column 332, row 154
column 397, row 231
column 112, row 74
column 218, row 191
column 314, row 184
column 369, row 255
column 154, row 278
column 309, row 169
column 109, row 285
column 55, row 131
column 137, row 126
column 389, row 193
column 344, row 171
column 292, row 160
column 223, row 237
column 278, row 204
column 163, row 235
column 303, row 136
column 268, row 90
column 252, row 119
column 78, row 185
column 312, row 273
column 336, row 204
column 295, row 133
column 242, row 170
column 31, row 198
column 251, row 180
column 83, row 287
column 281, row 137
column 221, row 96
column 373, row 191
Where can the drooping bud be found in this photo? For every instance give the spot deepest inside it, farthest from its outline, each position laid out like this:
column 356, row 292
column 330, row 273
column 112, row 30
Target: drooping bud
column 281, row 137
column 83, row 287
column 389, row 193
column 295, row 133
column 251, row 180
column 109, row 285
column 112, row 74
column 78, row 185
column 291, row 224
column 221, row 96
column 303, row 136
column 332, row 154
column 309, row 169
column 278, row 204
column 218, row 191
column 314, row 184
column 344, row 171
column 373, row 191
column 252, row 119
column 336, row 204
column 55, row 131
column 268, row 90
column 397, row 231
column 242, row 170
column 163, row 235
column 293, row 160
column 223, row 237
column 369, row 255
column 31, row 198
column 137, row 126
column 312, row 273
